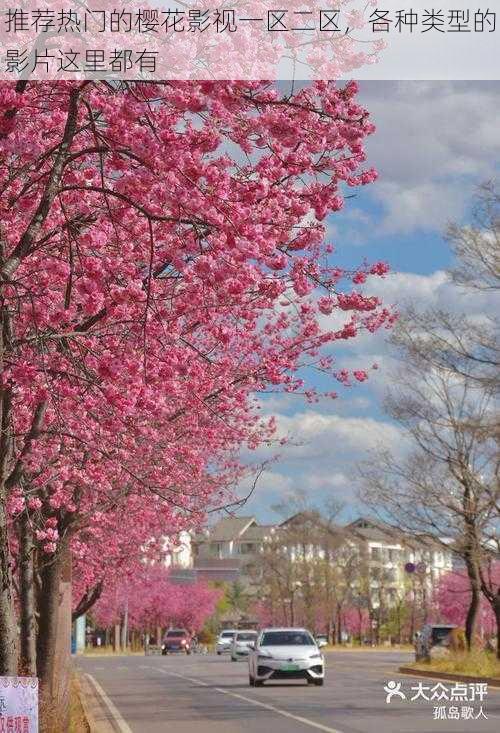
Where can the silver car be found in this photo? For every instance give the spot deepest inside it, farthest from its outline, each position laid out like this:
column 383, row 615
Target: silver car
column 242, row 642
column 288, row 654
column 224, row 641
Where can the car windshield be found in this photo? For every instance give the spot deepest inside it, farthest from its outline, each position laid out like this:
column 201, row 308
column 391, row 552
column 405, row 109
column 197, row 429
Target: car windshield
column 439, row 635
column 227, row 635
column 175, row 632
column 246, row 637
column 287, row 638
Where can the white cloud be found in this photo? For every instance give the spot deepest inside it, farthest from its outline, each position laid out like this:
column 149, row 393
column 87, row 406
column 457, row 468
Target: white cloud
column 321, row 456
column 434, row 142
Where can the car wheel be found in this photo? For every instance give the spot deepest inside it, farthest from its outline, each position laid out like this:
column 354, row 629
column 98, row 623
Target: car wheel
column 219, row 653
column 258, row 683
column 188, row 651
column 164, row 653
column 319, row 683
column 251, row 681
column 310, row 681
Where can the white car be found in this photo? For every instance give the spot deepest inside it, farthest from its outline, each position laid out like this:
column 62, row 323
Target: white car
column 242, row 642
column 224, row 641
column 285, row 654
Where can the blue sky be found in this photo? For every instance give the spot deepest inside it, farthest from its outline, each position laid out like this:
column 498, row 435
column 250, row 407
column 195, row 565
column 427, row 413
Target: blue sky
column 435, row 141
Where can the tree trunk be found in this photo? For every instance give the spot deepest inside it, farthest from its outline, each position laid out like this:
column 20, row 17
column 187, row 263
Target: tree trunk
column 475, row 600
column 54, row 639
column 116, row 638
column 48, row 603
column 497, row 618
column 8, row 631
column 27, row 597
column 8, row 635
column 495, row 603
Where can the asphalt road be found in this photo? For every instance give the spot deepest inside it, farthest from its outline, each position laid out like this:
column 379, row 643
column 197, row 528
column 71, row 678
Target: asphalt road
column 210, row 694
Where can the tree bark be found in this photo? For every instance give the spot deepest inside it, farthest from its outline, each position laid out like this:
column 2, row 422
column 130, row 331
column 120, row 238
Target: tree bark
column 48, row 603
column 497, row 618
column 27, row 596
column 475, row 600
column 88, row 600
column 54, row 639
column 8, row 631
column 116, row 639
column 8, row 635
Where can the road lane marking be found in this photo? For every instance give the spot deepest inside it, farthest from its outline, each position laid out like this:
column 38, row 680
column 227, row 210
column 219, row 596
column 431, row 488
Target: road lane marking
column 285, row 713
column 253, row 701
column 117, row 719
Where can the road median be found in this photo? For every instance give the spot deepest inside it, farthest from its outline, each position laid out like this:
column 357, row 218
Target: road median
column 452, row 676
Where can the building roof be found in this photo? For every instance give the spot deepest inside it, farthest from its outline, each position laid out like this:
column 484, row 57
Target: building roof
column 246, row 529
column 227, row 528
column 257, row 532
column 373, row 530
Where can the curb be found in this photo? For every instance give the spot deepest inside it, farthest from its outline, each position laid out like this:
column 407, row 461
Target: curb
column 92, row 708
column 491, row 681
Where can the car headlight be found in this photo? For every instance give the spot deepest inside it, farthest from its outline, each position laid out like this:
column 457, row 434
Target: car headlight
column 163, row 646
column 315, row 656
column 264, row 656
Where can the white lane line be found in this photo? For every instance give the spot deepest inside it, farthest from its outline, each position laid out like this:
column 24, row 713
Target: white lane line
column 305, row 721
column 258, row 703
column 120, row 723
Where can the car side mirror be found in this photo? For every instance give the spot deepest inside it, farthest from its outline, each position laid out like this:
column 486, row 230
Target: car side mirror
column 321, row 643
column 252, row 647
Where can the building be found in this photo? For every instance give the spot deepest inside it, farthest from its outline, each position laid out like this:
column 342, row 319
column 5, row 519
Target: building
column 229, row 551
column 398, row 562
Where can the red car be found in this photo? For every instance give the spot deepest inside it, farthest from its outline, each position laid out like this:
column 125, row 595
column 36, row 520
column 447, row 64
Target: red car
column 176, row 640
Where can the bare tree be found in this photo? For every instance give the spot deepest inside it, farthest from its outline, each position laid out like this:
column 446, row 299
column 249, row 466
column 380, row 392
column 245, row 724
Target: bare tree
column 461, row 344
column 445, row 396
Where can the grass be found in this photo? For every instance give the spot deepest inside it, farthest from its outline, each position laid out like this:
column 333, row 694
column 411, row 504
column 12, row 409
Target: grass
column 475, row 663
column 106, row 651
column 367, row 648
column 77, row 720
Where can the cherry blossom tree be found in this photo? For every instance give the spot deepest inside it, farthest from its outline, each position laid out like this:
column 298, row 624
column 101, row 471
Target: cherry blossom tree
column 162, row 260
column 453, row 600
column 152, row 600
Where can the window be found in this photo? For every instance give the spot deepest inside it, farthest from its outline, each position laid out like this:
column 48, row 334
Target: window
column 247, row 636
column 286, row 638
column 376, row 554
column 246, row 548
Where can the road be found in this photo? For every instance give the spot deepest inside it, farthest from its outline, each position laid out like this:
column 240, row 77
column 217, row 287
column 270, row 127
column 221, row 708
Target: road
column 210, row 694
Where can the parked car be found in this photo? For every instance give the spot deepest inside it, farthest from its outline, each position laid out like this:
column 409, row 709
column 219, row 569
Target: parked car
column 321, row 640
column 285, row 654
column 176, row 640
column 242, row 642
column 432, row 638
column 224, row 641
